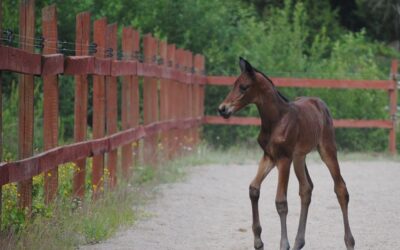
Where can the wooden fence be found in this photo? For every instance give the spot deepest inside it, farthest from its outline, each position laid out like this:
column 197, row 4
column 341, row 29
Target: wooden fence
column 173, row 84
column 173, row 92
column 386, row 85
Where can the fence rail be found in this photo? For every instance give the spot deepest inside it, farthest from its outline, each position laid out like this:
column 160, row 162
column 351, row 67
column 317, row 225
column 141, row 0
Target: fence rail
column 19, row 61
column 26, row 168
column 312, row 83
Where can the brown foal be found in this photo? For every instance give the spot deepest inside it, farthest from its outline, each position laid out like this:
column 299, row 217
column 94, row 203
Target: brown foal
column 289, row 131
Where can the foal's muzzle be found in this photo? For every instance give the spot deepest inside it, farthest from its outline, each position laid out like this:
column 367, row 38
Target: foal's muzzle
column 225, row 111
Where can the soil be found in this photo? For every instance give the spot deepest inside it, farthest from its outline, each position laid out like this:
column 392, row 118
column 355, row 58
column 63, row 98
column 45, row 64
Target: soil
column 210, row 209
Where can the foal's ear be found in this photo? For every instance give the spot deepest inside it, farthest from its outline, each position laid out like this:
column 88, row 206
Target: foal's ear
column 245, row 66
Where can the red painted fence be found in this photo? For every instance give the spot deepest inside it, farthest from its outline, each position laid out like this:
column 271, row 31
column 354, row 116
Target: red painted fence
column 173, row 75
column 173, row 101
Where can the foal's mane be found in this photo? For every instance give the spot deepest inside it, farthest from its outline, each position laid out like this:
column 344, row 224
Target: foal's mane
column 273, row 85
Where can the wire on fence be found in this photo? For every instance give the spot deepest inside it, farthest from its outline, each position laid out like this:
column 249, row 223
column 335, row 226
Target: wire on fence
column 63, row 47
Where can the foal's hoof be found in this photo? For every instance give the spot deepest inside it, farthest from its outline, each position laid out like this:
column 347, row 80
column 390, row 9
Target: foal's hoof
column 349, row 242
column 299, row 244
column 258, row 244
column 285, row 246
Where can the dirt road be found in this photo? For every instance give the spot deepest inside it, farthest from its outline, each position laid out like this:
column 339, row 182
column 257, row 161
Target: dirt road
column 210, row 210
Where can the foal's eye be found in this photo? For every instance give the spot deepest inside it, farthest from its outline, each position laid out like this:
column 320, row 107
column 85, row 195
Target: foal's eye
column 243, row 88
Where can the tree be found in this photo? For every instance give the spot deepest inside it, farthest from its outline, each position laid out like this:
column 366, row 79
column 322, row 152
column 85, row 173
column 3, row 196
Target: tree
column 382, row 19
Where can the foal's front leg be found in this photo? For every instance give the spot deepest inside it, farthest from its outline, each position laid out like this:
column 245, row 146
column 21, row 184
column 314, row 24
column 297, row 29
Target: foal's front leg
column 281, row 201
column 264, row 168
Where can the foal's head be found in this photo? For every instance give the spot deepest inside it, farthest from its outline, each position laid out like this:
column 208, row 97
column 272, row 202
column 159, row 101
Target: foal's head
column 246, row 90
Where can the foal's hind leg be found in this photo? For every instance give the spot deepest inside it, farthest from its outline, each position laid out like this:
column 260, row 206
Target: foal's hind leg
column 281, row 201
column 305, row 190
column 329, row 156
column 264, row 167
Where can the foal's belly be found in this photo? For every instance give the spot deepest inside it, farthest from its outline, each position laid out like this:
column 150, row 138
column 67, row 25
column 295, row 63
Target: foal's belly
column 310, row 121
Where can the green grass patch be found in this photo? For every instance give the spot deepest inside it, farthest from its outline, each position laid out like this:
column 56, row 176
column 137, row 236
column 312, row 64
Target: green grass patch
column 71, row 224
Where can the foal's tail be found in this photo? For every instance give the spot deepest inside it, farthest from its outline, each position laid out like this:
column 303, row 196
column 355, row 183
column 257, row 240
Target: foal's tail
column 326, row 113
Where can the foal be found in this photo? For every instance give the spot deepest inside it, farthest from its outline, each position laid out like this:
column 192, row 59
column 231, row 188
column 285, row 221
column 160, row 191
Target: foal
column 289, row 131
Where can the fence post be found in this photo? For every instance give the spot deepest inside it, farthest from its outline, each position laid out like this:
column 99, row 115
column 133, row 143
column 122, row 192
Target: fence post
column 180, row 90
column 393, row 108
column 191, row 98
column 81, row 100
column 112, row 104
column 164, row 99
column 50, row 99
column 172, row 94
column 185, row 95
column 135, row 96
column 178, row 100
column 99, row 37
column 202, row 69
column 127, row 102
column 197, row 94
column 26, row 86
column 1, row 121
column 150, row 101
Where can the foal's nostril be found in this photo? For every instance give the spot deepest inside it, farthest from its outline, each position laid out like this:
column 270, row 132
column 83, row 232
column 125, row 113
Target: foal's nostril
column 222, row 110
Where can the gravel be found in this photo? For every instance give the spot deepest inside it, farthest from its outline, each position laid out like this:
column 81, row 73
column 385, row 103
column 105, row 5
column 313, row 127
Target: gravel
column 210, row 209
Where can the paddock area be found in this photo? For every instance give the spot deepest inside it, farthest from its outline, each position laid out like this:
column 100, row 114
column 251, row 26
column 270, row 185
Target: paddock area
column 210, row 209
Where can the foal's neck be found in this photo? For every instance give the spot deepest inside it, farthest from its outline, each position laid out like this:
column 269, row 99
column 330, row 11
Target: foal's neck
column 271, row 106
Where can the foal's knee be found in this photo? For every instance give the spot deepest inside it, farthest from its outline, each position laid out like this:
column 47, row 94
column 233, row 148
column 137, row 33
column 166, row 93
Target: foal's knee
column 254, row 193
column 305, row 194
column 341, row 191
column 282, row 207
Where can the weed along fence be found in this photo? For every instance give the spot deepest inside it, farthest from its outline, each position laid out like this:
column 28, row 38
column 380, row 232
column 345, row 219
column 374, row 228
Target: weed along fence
column 172, row 102
column 145, row 90
column 386, row 85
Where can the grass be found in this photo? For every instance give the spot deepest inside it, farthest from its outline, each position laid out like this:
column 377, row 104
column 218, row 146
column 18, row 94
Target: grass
column 69, row 224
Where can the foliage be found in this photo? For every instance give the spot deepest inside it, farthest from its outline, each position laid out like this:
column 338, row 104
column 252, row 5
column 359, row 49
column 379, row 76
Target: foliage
column 10, row 121
column 382, row 18
column 13, row 218
column 67, row 222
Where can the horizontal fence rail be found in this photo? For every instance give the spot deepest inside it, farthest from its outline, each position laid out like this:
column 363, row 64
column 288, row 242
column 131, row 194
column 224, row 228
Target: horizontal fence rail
column 348, row 123
column 16, row 60
column 26, row 168
column 387, row 85
column 312, row 83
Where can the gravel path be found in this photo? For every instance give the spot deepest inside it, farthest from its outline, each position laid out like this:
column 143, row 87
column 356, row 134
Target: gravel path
column 210, row 210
